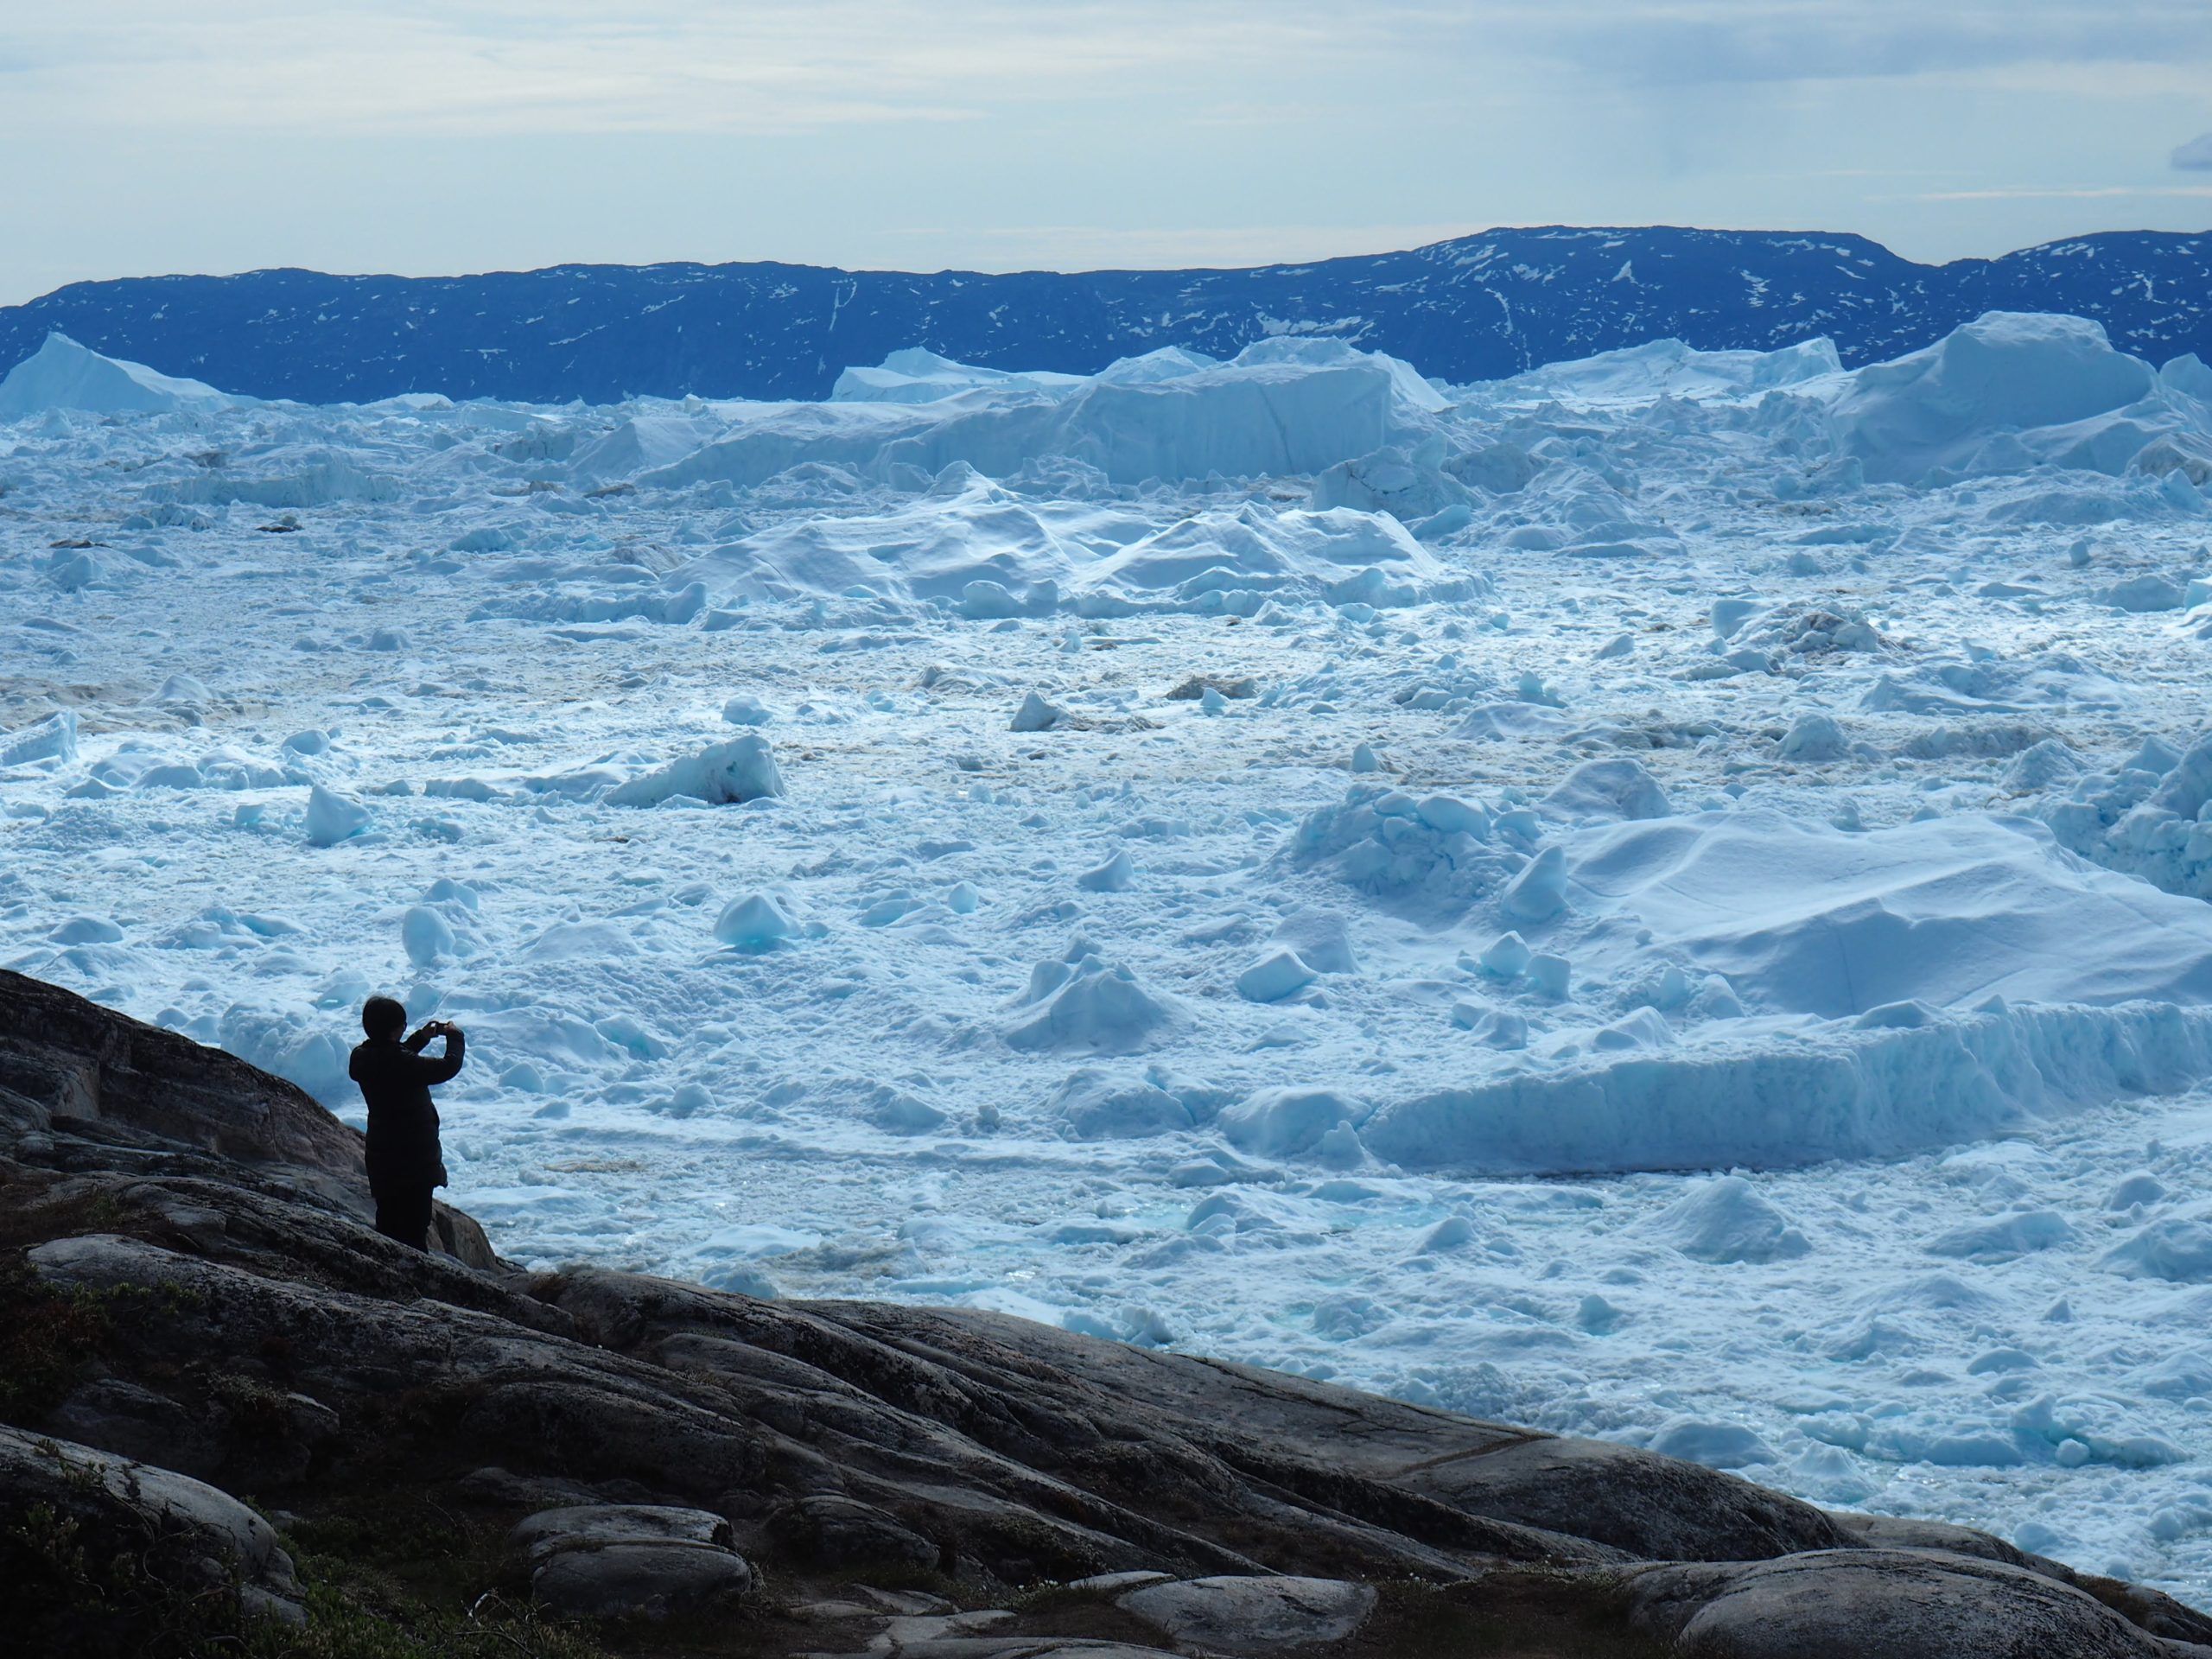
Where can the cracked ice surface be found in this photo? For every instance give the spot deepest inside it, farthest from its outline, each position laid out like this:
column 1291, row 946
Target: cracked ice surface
column 1667, row 901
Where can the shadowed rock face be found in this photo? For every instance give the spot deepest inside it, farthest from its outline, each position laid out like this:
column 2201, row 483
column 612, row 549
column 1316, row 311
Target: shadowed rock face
column 63, row 1056
column 150, row 1098
column 255, row 1334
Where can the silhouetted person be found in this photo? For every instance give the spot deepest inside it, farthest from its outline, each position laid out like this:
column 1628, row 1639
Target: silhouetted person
column 395, row 1078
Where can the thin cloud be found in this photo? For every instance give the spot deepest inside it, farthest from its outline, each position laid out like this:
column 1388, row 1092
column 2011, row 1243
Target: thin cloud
column 765, row 68
column 2196, row 156
column 1705, row 42
column 2069, row 193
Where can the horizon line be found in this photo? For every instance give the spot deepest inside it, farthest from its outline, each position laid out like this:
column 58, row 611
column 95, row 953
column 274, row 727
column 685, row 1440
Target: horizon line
column 1093, row 271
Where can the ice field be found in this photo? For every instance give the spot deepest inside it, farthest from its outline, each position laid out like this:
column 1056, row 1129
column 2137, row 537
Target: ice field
column 1664, row 897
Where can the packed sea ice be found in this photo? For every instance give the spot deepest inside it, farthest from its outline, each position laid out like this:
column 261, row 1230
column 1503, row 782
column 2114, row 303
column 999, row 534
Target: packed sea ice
column 1663, row 898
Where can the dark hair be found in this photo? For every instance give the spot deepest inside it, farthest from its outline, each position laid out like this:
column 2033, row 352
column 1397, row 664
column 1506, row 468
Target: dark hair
column 382, row 1017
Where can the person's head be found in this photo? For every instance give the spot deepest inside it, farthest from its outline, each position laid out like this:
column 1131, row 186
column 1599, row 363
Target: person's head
column 381, row 1017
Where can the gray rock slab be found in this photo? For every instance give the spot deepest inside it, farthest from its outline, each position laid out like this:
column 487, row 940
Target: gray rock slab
column 907, row 1630
column 832, row 1531
column 641, row 1580
column 593, row 1526
column 1259, row 1615
column 1106, row 1583
column 1652, row 1508
column 117, row 1501
column 910, row 1604
column 1898, row 1604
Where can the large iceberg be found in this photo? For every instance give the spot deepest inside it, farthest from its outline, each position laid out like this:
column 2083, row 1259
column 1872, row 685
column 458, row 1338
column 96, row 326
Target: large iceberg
column 61, row 374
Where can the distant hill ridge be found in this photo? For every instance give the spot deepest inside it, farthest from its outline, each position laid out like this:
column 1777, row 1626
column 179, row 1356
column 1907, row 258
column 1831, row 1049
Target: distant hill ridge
column 1477, row 307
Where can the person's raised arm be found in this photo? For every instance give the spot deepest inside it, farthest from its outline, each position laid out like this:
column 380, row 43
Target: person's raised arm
column 429, row 1069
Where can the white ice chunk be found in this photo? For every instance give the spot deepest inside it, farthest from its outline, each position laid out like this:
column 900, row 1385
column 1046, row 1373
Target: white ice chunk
column 333, row 817
column 1321, row 939
column 1507, row 957
column 1727, row 1221
column 425, row 935
column 1036, row 714
column 739, row 770
column 61, row 374
column 1608, row 789
column 1281, row 1123
column 1277, row 975
column 1813, row 739
column 1117, row 874
column 1539, row 892
column 755, row 921
column 53, row 737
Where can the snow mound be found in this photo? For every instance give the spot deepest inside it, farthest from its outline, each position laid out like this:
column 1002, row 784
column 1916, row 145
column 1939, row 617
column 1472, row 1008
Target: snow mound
column 53, row 737
column 1385, row 843
column 1283, row 1123
column 919, row 376
column 1727, row 1221
column 1837, row 1091
column 2146, row 819
column 1095, row 1105
column 1945, row 406
column 1278, row 408
column 1079, row 1001
column 1665, row 368
column 739, row 770
column 1608, row 789
column 61, row 374
column 333, row 817
column 1805, row 918
column 1234, row 561
column 755, row 921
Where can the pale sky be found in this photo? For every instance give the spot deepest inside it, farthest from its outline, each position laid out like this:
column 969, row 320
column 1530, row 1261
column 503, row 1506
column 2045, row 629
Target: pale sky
column 139, row 138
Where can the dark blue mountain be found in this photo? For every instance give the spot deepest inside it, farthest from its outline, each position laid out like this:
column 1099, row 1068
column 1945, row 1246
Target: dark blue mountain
column 1478, row 308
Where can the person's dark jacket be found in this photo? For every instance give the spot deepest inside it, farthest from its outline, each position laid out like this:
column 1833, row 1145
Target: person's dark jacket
column 395, row 1079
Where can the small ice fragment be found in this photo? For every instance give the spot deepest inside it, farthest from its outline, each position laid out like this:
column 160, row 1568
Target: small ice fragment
column 1278, row 974
column 425, row 935
column 1036, row 714
column 1549, row 974
column 1448, row 1234
column 1812, row 738
column 53, row 737
column 1501, row 1028
column 1114, row 875
column 1532, row 689
column 743, row 769
column 1597, row 1316
column 1448, row 815
column 1539, row 892
column 1730, row 614
column 1507, row 957
column 333, row 817
column 753, row 923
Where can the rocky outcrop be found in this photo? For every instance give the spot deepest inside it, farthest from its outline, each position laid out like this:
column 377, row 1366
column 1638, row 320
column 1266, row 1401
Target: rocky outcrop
column 145, row 1097
column 180, row 1539
column 194, row 1305
column 631, row 1561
